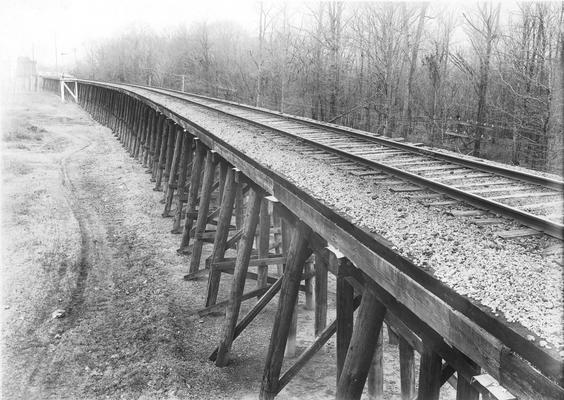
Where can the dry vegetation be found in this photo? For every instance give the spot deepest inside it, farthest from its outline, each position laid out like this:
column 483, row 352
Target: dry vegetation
column 484, row 78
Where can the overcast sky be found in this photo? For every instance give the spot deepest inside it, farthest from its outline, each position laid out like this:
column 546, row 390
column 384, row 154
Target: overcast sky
column 36, row 26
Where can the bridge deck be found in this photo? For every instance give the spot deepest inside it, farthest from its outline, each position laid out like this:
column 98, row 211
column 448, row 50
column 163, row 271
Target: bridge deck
column 513, row 279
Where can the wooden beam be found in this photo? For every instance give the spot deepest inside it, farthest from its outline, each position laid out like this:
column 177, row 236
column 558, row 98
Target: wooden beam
column 407, row 369
column 298, row 252
column 345, row 310
column 464, row 390
column 257, row 308
column 195, row 175
column 429, row 375
column 173, row 172
column 220, row 307
column 238, row 283
column 220, row 244
column 263, row 243
column 302, row 360
column 320, row 295
column 162, row 156
column 203, row 210
column 365, row 335
column 376, row 373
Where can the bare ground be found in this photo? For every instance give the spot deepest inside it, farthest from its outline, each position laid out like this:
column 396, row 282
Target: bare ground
column 82, row 234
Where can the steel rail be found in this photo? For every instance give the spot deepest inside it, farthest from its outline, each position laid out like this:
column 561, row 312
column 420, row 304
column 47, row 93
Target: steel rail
column 551, row 228
column 475, row 164
column 546, row 361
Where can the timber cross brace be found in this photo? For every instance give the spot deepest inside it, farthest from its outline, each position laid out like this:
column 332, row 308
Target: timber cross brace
column 216, row 195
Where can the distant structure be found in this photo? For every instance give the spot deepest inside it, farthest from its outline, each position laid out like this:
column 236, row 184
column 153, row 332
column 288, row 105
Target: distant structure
column 26, row 74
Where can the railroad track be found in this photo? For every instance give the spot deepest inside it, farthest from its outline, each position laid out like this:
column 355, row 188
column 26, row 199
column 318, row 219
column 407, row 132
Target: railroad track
column 529, row 199
column 507, row 352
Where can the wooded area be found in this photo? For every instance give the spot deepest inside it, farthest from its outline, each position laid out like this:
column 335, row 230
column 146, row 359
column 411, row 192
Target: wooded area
column 483, row 80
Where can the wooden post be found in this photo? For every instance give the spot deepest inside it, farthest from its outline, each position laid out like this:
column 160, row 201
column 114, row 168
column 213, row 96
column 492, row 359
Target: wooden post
column 172, row 181
column 172, row 133
column 376, row 373
column 407, row 369
column 309, row 284
column 192, row 195
column 223, row 167
column 203, row 210
column 320, row 295
column 222, row 232
column 361, row 348
column 239, row 206
column 345, row 297
column 263, row 243
column 162, row 156
column 159, row 134
column 257, row 308
column 148, row 138
column 154, row 140
column 240, row 274
column 429, row 374
column 185, row 168
column 290, row 351
column 393, row 338
column 298, row 252
column 464, row 391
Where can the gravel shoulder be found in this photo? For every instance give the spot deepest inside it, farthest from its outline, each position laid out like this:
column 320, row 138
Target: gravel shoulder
column 512, row 279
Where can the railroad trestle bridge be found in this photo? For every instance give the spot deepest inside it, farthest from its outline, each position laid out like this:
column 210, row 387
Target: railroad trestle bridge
column 208, row 183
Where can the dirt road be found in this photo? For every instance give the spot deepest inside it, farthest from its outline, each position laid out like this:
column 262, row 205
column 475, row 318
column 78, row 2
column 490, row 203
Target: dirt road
column 93, row 305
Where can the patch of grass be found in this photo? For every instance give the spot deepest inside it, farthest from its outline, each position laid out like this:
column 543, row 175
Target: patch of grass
column 18, row 168
column 26, row 132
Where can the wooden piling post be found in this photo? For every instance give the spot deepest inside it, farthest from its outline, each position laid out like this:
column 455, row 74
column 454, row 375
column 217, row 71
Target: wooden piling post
column 240, row 274
column 192, row 196
column 365, row 335
column 407, row 369
column 203, row 210
column 465, row 391
column 308, row 282
column 298, row 252
column 148, row 138
column 263, row 243
column 376, row 374
column 172, row 131
column 429, row 374
column 222, row 232
column 185, row 168
column 173, row 172
column 321, row 276
column 158, row 144
column 345, row 297
column 162, row 155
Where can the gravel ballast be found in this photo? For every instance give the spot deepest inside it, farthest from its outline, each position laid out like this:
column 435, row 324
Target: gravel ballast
column 511, row 278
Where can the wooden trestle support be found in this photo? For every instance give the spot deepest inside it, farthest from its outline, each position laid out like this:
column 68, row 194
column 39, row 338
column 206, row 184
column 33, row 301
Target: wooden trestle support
column 211, row 202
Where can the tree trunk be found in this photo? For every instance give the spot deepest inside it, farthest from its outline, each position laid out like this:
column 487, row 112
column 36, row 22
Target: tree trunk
column 406, row 112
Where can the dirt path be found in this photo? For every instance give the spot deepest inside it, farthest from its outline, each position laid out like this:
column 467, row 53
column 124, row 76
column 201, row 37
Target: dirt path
column 82, row 234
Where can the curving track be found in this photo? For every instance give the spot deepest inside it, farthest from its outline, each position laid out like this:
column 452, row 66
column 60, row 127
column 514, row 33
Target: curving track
column 532, row 200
